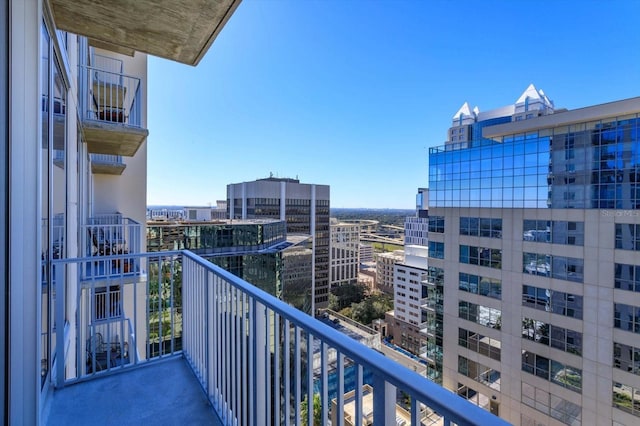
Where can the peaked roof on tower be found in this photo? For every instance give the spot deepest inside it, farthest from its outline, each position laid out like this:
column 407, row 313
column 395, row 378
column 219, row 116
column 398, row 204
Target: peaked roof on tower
column 531, row 93
column 463, row 111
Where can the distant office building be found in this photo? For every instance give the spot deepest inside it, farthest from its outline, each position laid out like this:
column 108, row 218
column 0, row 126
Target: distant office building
column 219, row 212
column 165, row 213
column 258, row 251
column 416, row 227
column 385, row 264
column 366, row 253
column 407, row 296
column 345, row 253
column 304, row 207
column 198, row 214
column 536, row 250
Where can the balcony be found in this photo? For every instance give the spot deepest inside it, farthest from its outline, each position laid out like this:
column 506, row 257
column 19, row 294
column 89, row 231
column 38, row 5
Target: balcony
column 107, row 164
column 112, row 112
column 110, row 239
column 225, row 342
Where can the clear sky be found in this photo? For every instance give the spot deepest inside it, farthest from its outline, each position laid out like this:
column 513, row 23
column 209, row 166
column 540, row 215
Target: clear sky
column 352, row 93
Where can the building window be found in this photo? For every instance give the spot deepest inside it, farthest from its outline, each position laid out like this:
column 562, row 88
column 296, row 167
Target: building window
column 478, row 343
column 626, row 317
column 481, row 227
column 560, row 267
column 626, row 398
column 553, row 301
column 483, row 315
column 436, row 250
column 483, row 286
column 553, row 371
column 626, row 358
column 556, row 232
column 478, row 372
column 436, row 224
column 551, row 335
column 551, row 405
column 481, row 256
column 627, row 236
column 627, row 277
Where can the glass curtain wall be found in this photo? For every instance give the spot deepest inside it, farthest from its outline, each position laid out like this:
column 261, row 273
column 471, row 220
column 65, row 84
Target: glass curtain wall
column 53, row 186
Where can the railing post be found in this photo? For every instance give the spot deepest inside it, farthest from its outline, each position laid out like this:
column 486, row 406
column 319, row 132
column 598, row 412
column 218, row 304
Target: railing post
column 59, row 272
column 384, row 401
column 259, row 363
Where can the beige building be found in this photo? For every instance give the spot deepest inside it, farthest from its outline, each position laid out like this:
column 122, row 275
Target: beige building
column 345, row 254
column 539, row 264
column 385, row 264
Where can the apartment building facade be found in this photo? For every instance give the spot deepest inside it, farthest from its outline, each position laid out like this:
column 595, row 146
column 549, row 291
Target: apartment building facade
column 416, row 227
column 385, row 265
column 73, row 126
column 534, row 214
column 304, row 207
column 408, row 294
column 345, row 253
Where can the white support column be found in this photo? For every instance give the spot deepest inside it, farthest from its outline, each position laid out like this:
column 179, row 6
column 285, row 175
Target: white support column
column 283, row 201
column 230, row 203
column 244, row 200
column 313, row 250
column 25, row 21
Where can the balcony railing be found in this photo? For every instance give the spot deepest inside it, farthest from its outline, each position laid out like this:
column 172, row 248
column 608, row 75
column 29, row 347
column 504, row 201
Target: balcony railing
column 249, row 350
column 109, row 234
column 114, row 97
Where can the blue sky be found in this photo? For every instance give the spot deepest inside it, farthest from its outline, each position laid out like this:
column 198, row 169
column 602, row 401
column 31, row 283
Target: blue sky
column 352, row 93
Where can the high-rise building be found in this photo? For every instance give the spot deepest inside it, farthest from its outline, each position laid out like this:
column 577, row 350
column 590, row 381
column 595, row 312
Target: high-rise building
column 416, row 227
column 536, row 223
column 257, row 250
column 345, row 252
column 406, row 319
column 304, row 207
column 385, row 264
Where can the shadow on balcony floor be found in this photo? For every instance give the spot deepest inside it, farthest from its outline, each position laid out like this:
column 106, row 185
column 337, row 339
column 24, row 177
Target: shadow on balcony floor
column 164, row 393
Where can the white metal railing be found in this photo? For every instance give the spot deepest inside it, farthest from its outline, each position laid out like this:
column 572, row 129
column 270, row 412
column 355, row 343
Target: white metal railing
column 106, row 159
column 249, row 350
column 112, row 97
column 108, row 234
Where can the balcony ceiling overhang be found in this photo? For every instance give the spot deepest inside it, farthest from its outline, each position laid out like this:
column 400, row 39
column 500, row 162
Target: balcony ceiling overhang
column 113, row 139
column 180, row 30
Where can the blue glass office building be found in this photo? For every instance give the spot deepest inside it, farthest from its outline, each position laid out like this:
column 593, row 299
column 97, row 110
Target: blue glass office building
column 538, row 260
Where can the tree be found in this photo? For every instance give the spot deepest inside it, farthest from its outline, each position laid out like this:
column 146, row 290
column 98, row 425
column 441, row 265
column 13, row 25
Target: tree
column 317, row 410
column 344, row 295
column 372, row 308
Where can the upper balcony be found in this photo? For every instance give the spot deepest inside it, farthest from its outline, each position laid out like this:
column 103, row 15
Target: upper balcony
column 107, row 164
column 109, row 239
column 112, row 112
column 180, row 30
column 249, row 352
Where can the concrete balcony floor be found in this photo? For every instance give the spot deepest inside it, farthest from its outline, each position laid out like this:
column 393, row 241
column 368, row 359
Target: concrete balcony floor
column 162, row 393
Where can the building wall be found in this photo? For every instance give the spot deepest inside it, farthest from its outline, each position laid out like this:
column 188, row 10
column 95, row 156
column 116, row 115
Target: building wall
column 263, row 199
column 385, row 270
column 345, row 253
column 548, row 296
column 127, row 193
